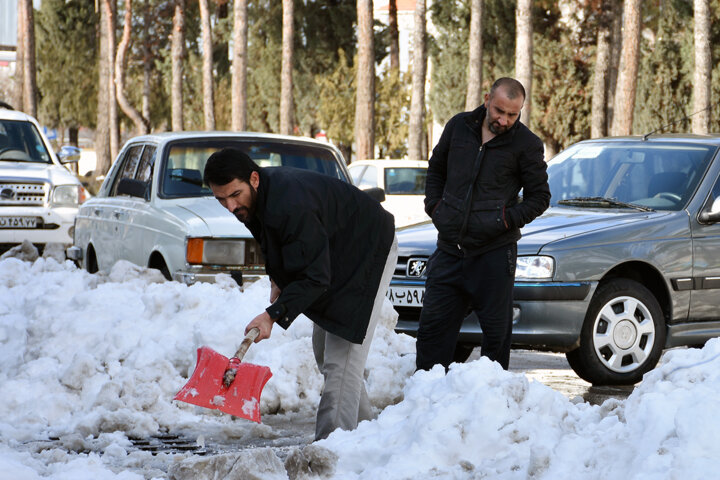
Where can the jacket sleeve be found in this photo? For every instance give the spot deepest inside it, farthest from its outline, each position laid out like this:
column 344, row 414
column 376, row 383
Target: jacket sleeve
column 534, row 182
column 437, row 170
column 306, row 258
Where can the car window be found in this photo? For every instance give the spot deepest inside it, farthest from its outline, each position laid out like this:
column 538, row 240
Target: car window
column 128, row 166
column 405, row 181
column 356, row 172
column 368, row 178
column 184, row 163
column 661, row 176
column 21, row 142
column 147, row 160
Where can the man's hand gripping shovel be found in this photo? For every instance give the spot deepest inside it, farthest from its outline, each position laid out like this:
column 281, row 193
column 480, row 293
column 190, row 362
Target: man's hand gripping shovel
column 227, row 384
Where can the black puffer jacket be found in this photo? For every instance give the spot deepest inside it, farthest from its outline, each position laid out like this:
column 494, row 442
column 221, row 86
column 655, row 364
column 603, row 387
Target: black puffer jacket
column 325, row 244
column 472, row 189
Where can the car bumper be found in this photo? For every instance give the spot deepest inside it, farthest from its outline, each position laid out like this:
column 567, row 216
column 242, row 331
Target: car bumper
column 206, row 275
column 53, row 225
column 546, row 315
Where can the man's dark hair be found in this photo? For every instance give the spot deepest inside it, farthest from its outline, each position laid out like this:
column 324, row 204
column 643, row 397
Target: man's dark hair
column 225, row 165
column 512, row 87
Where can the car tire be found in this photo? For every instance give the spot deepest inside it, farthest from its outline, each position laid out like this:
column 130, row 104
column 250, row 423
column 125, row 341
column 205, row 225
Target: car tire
column 462, row 352
column 158, row 263
column 622, row 337
column 91, row 264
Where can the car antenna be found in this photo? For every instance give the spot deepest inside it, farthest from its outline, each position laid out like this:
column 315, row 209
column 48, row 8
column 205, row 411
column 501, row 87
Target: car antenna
column 685, row 117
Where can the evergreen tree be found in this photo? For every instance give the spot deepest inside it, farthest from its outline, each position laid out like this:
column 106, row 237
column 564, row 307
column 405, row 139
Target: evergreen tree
column 392, row 113
column 67, row 63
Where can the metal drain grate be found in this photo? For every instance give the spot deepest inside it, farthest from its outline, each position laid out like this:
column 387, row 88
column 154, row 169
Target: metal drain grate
column 169, row 443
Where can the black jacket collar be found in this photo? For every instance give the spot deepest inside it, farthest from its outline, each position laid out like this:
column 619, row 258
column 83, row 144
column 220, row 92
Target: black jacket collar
column 474, row 121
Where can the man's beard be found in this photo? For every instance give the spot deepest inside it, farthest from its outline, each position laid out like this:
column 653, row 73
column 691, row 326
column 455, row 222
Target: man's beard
column 243, row 213
column 496, row 128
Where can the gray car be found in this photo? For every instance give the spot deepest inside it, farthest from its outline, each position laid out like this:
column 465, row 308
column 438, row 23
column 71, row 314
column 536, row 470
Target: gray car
column 624, row 263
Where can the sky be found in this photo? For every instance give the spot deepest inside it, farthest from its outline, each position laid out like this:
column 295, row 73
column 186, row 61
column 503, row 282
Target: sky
column 90, row 362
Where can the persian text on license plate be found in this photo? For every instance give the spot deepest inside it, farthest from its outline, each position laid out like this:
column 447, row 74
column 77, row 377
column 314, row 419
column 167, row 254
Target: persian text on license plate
column 406, row 296
column 18, row 222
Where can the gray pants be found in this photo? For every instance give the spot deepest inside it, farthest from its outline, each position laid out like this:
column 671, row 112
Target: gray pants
column 344, row 401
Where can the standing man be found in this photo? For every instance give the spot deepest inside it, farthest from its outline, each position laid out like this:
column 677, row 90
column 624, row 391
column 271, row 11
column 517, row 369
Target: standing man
column 330, row 251
column 482, row 161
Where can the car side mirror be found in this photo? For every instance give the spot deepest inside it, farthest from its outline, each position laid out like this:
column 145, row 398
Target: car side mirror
column 376, row 193
column 712, row 215
column 69, row 154
column 132, row 187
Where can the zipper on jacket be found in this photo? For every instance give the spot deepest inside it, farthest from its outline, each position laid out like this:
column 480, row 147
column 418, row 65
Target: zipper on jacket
column 469, row 195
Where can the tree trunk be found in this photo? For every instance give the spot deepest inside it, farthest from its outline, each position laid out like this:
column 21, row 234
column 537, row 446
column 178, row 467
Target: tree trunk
column 18, row 93
column 239, row 66
column 147, row 64
column 703, row 68
column 474, row 95
column 524, row 54
column 286, row 79
column 29, row 65
column 177, row 53
column 114, row 125
column 102, row 129
column 417, row 103
column 73, row 137
column 394, row 35
column 627, row 79
column 615, row 50
column 598, row 126
column 208, row 87
column 141, row 124
column 365, row 100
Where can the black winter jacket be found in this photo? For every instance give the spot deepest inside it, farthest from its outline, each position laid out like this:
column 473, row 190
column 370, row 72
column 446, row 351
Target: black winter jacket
column 325, row 244
column 472, row 189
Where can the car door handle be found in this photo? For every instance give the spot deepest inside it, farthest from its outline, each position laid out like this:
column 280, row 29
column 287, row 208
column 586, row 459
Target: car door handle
column 97, row 212
column 118, row 213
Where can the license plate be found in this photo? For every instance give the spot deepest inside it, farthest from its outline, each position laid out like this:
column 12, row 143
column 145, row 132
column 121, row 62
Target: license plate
column 18, row 222
column 406, row 296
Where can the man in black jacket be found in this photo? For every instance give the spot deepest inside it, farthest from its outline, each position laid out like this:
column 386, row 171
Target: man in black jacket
column 482, row 161
column 330, row 251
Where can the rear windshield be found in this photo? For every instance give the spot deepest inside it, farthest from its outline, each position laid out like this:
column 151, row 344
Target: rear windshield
column 405, row 181
column 21, row 142
column 185, row 162
column 661, row 176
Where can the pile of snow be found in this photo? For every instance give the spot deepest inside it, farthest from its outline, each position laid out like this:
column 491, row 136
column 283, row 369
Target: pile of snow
column 89, row 362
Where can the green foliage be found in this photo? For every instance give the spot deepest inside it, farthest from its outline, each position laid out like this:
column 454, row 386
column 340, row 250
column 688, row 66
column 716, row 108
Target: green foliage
column 67, row 62
column 392, row 114
column 336, row 102
column 561, row 103
column 664, row 91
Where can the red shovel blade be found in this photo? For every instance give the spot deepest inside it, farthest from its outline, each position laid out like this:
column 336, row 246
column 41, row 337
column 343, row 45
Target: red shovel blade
column 205, row 387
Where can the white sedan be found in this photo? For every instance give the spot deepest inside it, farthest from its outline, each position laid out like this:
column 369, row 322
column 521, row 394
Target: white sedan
column 403, row 182
column 153, row 209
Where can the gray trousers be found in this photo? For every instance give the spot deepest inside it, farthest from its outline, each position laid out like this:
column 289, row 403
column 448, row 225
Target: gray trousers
column 344, row 401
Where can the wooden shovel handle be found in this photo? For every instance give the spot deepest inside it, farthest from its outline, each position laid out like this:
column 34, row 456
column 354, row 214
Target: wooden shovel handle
column 247, row 341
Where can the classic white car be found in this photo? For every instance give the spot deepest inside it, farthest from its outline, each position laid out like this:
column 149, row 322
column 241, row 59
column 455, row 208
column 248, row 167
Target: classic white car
column 39, row 197
column 403, row 182
column 153, row 209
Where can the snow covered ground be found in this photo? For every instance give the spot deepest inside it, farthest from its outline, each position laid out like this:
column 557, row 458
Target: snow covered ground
column 90, row 363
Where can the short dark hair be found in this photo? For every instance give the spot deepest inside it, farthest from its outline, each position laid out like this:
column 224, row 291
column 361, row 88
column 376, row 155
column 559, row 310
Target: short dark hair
column 512, row 87
column 228, row 164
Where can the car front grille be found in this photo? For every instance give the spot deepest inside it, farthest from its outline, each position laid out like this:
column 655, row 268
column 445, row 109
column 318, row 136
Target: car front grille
column 13, row 193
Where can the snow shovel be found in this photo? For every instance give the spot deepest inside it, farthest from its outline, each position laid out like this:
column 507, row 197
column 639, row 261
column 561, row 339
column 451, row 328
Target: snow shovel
column 227, row 384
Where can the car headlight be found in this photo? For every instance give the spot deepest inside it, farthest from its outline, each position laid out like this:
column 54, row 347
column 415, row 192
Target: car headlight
column 67, row 196
column 211, row 251
column 534, row 267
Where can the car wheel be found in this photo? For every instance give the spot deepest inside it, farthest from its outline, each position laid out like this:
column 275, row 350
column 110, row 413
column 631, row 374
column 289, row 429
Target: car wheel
column 462, row 352
column 622, row 337
column 158, row 263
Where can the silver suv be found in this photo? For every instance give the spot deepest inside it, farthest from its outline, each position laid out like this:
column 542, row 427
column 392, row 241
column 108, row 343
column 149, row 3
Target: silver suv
column 39, row 197
column 624, row 263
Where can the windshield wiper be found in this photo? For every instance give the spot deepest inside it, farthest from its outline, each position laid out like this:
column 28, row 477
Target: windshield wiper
column 601, row 202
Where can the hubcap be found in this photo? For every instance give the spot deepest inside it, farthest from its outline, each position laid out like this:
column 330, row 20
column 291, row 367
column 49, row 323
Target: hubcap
column 623, row 334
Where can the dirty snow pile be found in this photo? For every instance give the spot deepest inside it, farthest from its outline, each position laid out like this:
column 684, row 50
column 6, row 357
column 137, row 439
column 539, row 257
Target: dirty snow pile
column 89, row 362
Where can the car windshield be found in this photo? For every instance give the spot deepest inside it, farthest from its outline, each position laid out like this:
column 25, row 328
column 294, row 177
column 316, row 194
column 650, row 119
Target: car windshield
column 640, row 175
column 185, row 162
column 21, row 142
column 405, row 181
